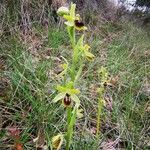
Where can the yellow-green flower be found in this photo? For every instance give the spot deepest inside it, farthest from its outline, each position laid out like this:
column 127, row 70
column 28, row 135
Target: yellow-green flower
column 88, row 54
column 72, row 19
column 57, row 141
column 79, row 25
column 84, row 49
column 71, row 16
column 103, row 75
column 67, row 94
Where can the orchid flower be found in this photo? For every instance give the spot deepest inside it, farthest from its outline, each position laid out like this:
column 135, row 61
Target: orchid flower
column 67, row 94
column 72, row 19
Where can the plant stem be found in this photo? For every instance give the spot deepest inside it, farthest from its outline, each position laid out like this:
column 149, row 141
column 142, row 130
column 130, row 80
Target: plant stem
column 68, row 128
column 71, row 32
column 98, row 118
column 68, row 115
column 71, row 121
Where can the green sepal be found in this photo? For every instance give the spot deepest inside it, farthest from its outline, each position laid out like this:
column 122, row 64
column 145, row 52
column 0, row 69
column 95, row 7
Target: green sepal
column 58, row 97
column 75, row 99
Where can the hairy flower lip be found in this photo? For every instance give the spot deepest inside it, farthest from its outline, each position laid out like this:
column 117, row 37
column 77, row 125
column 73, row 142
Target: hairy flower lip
column 79, row 24
column 67, row 100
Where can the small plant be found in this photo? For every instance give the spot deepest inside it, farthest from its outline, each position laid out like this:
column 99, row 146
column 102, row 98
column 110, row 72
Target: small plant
column 103, row 76
column 67, row 92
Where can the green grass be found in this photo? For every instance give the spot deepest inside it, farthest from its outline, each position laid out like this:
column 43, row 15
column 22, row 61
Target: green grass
column 27, row 104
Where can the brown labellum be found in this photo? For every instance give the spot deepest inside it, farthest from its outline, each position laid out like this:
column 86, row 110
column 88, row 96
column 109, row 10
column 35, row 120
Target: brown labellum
column 67, row 100
column 79, row 24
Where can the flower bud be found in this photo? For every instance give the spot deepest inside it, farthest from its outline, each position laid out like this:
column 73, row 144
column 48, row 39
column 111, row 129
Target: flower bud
column 57, row 141
column 63, row 11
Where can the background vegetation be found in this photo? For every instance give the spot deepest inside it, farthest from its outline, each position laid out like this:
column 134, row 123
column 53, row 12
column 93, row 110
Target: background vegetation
column 32, row 41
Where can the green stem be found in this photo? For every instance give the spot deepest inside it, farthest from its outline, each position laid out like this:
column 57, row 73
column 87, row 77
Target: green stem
column 68, row 115
column 71, row 121
column 98, row 118
column 99, row 110
column 71, row 32
column 68, row 124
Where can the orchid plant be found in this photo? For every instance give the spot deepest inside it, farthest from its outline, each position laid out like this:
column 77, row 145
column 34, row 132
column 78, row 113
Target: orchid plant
column 68, row 92
column 103, row 77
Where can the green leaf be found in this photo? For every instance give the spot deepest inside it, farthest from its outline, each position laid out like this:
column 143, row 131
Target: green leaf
column 80, row 43
column 78, row 73
column 72, row 10
column 58, row 97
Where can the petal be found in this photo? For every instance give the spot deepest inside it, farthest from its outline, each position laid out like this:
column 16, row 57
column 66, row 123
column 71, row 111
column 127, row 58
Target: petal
column 75, row 99
column 77, row 17
column 58, row 97
column 81, row 28
column 84, row 28
column 70, row 24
